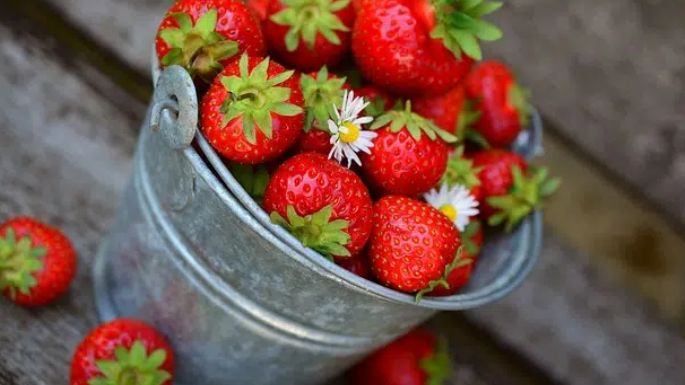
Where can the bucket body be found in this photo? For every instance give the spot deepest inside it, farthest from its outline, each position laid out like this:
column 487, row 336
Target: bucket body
column 241, row 301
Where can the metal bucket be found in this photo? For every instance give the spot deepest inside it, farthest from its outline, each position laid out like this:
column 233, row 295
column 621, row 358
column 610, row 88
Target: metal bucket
column 241, row 300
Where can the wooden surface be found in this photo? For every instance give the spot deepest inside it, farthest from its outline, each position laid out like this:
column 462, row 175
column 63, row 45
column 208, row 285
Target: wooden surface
column 68, row 132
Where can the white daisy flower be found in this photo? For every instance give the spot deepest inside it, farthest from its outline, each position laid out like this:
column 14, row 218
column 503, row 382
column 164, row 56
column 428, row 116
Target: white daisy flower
column 347, row 134
column 456, row 203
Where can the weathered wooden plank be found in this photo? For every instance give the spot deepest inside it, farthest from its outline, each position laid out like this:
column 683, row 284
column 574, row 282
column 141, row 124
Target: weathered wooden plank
column 612, row 76
column 64, row 158
column 584, row 329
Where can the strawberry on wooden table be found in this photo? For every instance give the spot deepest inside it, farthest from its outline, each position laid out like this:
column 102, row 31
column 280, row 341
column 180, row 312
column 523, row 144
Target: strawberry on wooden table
column 409, row 154
column 37, row 262
column 511, row 190
column 123, row 352
column 308, row 34
column 204, row 35
column 413, row 247
column 322, row 93
column 417, row 358
column 252, row 112
column 324, row 205
column 420, row 47
column 501, row 104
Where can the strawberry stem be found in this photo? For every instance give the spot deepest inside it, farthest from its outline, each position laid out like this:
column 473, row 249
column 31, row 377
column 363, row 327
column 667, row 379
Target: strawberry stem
column 308, row 18
column 321, row 95
column 438, row 366
column 317, row 230
column 197, row 48
column 254, row 96
column 460, row 27
column 414, row 123
column 132, row 367
column 526, row 194
column 19, row 260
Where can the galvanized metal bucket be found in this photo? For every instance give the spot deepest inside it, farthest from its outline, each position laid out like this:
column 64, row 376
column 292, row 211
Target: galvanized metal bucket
column 241, row 300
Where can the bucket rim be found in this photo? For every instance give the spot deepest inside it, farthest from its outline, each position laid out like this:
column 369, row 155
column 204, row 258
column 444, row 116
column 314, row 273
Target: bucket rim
column 522, row 260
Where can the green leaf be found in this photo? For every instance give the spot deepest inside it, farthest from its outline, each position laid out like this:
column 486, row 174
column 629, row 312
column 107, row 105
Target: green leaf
column 263, row 120
column 249, row 129
column 286, row 109
column 487, row 31
column 468, row 44
column 485, row 8
column 280, row 78
column 381, row 121
column 185, row 23
column 206, row 24
column 173, row 36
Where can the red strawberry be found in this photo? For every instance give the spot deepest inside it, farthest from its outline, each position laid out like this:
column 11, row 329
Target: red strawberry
column 510, row 190
column 309, row 34
column 37, row 262
column 413, row 246
column 418, row 358
column 445, row 110
column 323, row 204
column 420, row 47
column 321, row 93
column 472, row 239
column 204, row 35
column 358, row 265
column 501, row 103
column 252, row 112
column 408, row 158
column 123, row 351
column 460, row 171
column 379, row 101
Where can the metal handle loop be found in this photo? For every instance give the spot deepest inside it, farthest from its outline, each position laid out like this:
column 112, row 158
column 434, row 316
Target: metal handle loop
column 175, row 109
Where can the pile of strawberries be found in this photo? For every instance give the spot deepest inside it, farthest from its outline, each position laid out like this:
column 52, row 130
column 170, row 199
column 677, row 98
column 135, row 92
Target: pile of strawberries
column 366, row 128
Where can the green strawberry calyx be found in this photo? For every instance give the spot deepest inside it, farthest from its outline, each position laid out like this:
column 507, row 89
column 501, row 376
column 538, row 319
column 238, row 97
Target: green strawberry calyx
column 467, row 238
column 415, row 124
column 253, row 96
column 375, row 108
column 19, row 261
column 317, row 230
column 466, row 130
column 460, row 170
column 132, row 367
column 525, row 195
column 321, row 95
column 518, row 98
column 253, row 178
column 307, row 18
column 437, row 366
column 198, row 48
column 459, row 25
column 456, row 263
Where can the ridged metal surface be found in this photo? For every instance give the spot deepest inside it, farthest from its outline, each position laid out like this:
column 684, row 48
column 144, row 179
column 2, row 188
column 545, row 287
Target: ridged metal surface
column 241, row 300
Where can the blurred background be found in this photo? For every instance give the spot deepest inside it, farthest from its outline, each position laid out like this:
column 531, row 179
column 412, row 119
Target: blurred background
column 605, row 305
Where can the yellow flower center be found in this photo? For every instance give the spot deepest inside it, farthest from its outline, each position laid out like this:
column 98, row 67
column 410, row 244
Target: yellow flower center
column 449, row 211
column 352, row 133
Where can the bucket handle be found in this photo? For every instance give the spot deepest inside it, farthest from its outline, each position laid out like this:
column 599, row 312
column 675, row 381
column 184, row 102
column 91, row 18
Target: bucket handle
column 174, row 110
